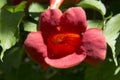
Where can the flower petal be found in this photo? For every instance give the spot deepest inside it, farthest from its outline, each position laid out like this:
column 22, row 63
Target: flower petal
column 94, row 45
column 35, row 47
column 49, row 22
column 74, row 20
column 49, row 19
column 66, row 62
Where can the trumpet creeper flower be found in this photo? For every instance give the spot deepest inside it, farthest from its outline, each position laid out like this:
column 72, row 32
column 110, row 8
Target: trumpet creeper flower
column 63, row 41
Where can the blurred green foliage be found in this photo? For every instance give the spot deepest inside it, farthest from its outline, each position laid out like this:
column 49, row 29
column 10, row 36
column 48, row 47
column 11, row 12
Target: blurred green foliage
column 16, row 23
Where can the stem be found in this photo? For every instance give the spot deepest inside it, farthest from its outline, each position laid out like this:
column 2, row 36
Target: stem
column 55, row 4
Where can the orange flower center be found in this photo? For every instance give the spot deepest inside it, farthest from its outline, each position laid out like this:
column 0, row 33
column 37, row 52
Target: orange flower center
column 63, row 44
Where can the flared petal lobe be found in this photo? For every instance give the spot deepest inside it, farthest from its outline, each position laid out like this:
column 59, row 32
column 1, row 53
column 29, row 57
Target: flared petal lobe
column 94, row 45
column 35, row 47
column 67, row 61
column 49, row 21
column 74, row 20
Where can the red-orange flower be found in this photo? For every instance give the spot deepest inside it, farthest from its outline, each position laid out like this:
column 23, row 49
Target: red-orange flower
column 62, row 40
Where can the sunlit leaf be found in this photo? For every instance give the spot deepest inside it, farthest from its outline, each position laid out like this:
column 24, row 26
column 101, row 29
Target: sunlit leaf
column 20, row 7
column 35, row 7
column 9, row 29
column 2, row 3
column 95, row 24
column 111, row 33
column 17, row 8
column 30, row 27
column 93, row 4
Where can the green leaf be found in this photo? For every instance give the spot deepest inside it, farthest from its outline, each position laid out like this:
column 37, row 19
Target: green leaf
column 111, row 33
column 17, row 8
column 2, row 3
column 95, row 24
column 12, row 58
column 93, row 4
column 20, row 7
column 117, row 46
column 96, row 73
column 30, row 27
column 35, row 7
column 76, row 73
column 26, row 71
column 9, row 30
